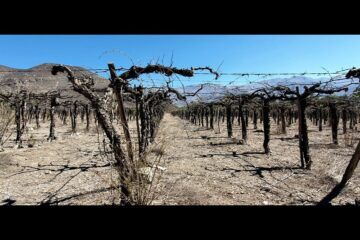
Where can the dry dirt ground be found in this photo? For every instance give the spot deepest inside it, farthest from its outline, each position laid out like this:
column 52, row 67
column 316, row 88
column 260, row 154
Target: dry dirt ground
column 200, row 167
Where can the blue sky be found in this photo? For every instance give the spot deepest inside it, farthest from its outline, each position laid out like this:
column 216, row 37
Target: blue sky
column 235, row 53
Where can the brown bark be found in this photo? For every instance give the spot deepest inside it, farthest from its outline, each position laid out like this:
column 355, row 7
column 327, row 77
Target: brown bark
column 243, row 122
column 211, row 116
column 87, row 113
column 347, row 175
column 320, row 119
column 334, row 122
column 228, row 120
column 266, row 125
column 303, row 136
column 118, row 87
column 122, row 165
column 52, row 119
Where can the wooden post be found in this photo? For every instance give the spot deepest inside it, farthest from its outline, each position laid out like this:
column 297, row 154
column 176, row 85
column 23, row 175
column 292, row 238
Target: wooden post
column 304, row 134
column 211, row 116
column 266, row 125
column 137, row 121
column 243, row 121
column 87, row 112
column 255, row 119
column 228, row 120
column 300, row 131
column 320, row 119
column 18, row 123
column 334, row 122
column 118, row 86
column 52, row 119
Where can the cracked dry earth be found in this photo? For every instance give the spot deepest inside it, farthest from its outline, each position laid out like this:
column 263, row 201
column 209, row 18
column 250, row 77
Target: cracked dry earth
column 201, row 167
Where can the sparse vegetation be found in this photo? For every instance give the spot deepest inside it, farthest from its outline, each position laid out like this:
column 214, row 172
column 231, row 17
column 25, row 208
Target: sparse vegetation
column 130, row 145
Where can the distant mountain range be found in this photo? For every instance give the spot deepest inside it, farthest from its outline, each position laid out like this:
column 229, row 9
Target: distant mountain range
column 214, row 92
column 39, row 79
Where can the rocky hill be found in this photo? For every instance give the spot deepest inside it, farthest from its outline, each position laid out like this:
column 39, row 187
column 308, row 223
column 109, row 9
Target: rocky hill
column 39, row 79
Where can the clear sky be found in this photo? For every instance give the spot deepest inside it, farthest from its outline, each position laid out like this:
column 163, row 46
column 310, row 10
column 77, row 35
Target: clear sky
column 235, row 53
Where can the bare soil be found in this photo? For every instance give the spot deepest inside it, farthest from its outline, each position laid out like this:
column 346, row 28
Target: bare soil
column 203, row 167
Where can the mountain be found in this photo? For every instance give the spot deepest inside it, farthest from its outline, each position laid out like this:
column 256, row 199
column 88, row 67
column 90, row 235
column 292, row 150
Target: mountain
column 214, row 92
column 5, row 68
column 39, row 79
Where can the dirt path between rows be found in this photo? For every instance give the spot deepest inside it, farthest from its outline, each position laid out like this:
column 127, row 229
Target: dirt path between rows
column 201, row 168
